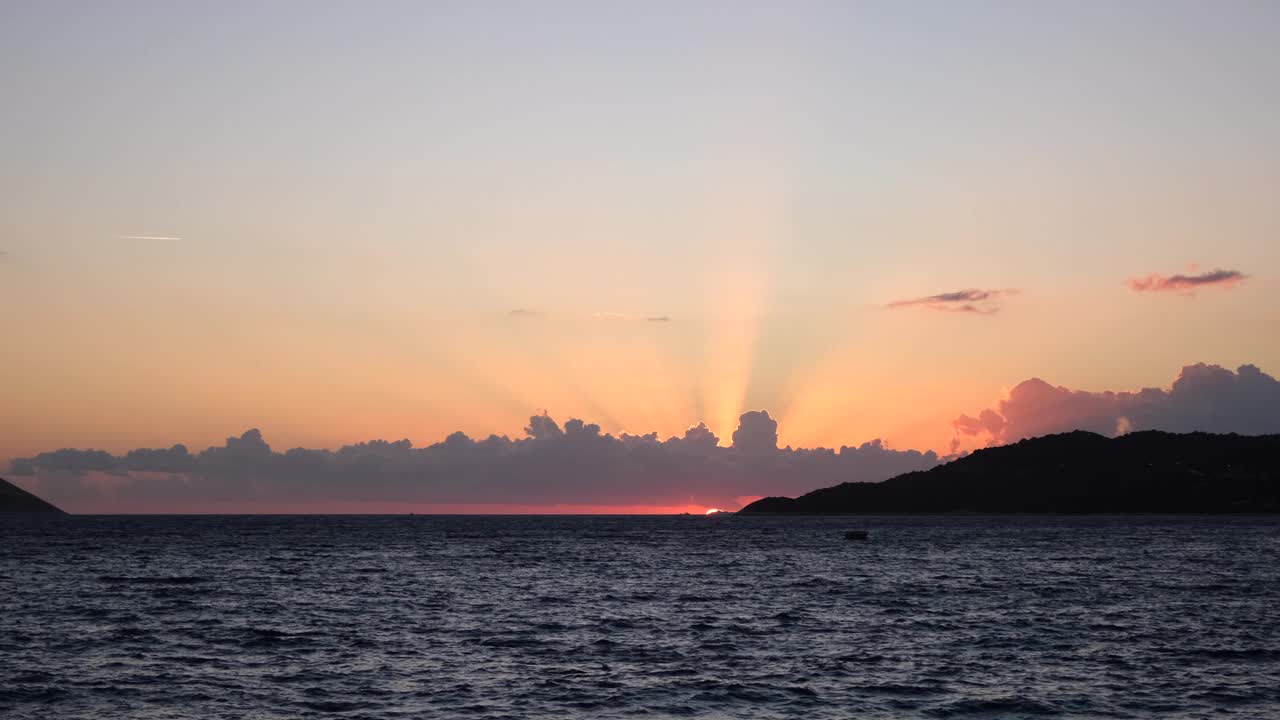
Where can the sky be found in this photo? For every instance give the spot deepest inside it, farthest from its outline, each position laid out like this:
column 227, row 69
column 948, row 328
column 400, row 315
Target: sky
column 341, row 222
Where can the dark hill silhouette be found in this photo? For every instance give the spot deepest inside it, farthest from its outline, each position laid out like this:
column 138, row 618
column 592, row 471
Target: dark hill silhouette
column 14, row 500
column 1076, row 472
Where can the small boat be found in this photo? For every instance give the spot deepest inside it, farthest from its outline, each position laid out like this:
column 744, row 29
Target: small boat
column 856, row 535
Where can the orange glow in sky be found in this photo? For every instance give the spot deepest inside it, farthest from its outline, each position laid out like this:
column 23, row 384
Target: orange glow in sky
column 644, row 217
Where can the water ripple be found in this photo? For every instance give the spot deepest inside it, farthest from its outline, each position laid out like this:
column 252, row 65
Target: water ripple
column 488, row 617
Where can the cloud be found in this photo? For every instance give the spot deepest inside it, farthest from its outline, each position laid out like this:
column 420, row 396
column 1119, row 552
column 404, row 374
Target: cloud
column 145, row 237
column 525, row 312
column 982, row 302
column 1186, row 284
column 573, row 464
column 173, row 460
column 68, row 460
column 757, row 433
column 1205, row 398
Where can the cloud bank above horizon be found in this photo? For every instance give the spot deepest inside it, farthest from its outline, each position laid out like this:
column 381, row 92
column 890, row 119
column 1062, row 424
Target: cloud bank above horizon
column 576, row 467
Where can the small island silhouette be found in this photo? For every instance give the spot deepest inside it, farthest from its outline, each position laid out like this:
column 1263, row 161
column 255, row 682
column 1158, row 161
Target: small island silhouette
column 16, row 501
column 1075, row 472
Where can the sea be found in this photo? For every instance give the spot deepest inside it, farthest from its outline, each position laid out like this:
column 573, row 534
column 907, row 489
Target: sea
column 385, row 617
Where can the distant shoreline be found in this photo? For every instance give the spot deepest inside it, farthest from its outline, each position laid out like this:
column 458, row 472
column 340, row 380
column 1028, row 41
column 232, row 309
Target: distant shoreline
column 1076, row 473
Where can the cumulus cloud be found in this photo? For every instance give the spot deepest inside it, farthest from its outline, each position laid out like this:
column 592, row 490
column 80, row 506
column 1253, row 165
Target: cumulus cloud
column 1186, row 284
column 573, row 464
column 757, row 433
column 69, row 460
column 1207, row 398
column 982, row 302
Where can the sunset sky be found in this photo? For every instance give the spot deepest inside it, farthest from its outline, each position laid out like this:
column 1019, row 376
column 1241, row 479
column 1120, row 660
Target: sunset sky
column 340, row 222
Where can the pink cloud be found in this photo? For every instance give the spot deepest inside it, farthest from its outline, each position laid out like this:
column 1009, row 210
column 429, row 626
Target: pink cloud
column 1205, row 398
column 1186, row 284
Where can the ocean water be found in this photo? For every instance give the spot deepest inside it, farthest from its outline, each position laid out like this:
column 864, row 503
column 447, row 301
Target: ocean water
column 600, row 617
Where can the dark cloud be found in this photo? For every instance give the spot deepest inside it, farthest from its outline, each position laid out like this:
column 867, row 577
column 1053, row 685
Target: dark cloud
column 552, row 464
column 23, row 467
column 1208, row 398
column 757, row 433
column 173, row 460
column 1187, row 284
column 542, row 427
column 68, row 460
column 982, row 302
